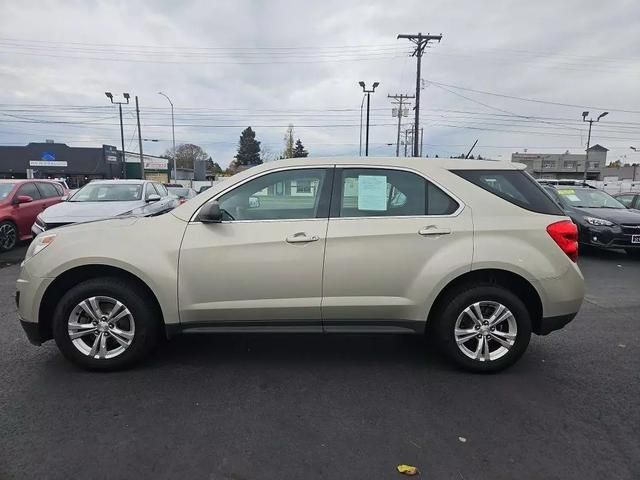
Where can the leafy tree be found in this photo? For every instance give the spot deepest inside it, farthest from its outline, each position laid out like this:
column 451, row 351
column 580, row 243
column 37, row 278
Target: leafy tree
column 248, row 149
column 186, row 155
column 288, row 151
column 616, row 164
column 299, row 151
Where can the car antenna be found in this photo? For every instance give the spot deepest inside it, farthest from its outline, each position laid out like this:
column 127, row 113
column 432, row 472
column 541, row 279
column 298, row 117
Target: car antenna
column 472, row 147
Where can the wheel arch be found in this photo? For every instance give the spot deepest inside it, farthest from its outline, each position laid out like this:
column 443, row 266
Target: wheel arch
column 509, row 280
column 74, row 276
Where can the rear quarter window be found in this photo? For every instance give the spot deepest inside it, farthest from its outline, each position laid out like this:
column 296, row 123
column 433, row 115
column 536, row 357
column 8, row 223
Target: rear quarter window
column 514, row 186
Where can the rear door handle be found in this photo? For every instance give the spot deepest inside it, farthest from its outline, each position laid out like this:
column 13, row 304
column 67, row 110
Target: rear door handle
column 302, row 237
column 432, row 230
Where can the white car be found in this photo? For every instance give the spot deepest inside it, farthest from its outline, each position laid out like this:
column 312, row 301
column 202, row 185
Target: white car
column 101, row 199
column 472, row 252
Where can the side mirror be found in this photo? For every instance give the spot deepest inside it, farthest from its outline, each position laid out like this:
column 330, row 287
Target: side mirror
column 210, row 213
column 22, row 199
column 154, row 197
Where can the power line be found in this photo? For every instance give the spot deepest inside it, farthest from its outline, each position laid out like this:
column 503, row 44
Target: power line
column 523, row 99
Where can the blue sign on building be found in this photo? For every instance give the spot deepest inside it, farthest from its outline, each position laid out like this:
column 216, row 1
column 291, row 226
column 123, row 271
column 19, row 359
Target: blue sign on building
column 48, row 156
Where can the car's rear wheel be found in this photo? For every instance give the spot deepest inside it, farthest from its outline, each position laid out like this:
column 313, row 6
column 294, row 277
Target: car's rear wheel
column 105, row 324
column 484, row 328
column 8, row 236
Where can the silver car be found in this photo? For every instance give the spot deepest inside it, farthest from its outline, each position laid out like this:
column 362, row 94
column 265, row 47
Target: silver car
column 101, row 199
column 473, row 253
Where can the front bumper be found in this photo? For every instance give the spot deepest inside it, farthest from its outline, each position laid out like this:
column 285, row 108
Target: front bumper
column 615, row 236
column 36, row 230
column 33, row 332
column 550, row 324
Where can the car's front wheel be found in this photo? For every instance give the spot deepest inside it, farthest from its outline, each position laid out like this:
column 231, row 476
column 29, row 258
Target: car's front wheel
column 8, row 236
column 483, row 328
column 105, row 324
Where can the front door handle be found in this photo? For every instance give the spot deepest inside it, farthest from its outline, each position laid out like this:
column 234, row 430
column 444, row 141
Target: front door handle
column 302, row 237
column 432, row 230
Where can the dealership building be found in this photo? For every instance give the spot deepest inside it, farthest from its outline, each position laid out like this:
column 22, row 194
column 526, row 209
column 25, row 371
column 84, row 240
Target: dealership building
column 77, row 165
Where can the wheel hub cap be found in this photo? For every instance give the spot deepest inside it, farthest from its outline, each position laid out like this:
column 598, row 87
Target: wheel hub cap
column 101, row 327
column 485, row 331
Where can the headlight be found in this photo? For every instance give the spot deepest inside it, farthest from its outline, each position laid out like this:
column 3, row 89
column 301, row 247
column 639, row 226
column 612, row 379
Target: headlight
column 598, row 222
column 40, row 243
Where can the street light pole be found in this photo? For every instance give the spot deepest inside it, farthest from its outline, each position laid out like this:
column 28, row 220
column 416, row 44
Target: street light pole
column 173, row 136
column 591, row 121
column 109, row 95
column 368, row 92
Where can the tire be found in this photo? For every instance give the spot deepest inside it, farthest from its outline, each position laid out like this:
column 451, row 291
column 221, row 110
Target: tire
column 136, row 322
column 8, row 236
column 453, row 324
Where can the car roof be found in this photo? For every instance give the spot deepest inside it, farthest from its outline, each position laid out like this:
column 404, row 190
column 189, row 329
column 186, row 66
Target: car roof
column 121, row 182
column 25, row 180
column 411, row 162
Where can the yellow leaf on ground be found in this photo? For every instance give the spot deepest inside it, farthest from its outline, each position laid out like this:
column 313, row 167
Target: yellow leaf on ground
column 408, row 469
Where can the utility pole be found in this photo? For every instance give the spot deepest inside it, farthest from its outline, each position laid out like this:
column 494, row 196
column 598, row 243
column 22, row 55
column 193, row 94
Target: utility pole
column 421, row 139
column 421, row 42
column 399, row 99
column 140, row 140
column 368, row 92
column 591, row 121
column 109, row 95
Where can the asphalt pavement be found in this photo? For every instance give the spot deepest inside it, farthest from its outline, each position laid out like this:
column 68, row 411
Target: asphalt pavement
column 242, row 407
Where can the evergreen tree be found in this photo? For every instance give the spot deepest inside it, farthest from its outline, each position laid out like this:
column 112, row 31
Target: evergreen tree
column 299, row 151
column 288, row 143
column 248, row 149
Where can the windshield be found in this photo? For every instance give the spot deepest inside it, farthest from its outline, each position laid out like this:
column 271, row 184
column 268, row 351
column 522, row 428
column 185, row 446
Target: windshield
column 179, row 192
column 108, row 192
column 5, row 189
column 587, row 198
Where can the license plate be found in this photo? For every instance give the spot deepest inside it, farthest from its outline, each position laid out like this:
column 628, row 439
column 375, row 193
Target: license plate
column 635, row 238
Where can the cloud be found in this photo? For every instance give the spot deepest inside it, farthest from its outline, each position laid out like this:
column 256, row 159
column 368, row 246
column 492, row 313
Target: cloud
column 227, row 65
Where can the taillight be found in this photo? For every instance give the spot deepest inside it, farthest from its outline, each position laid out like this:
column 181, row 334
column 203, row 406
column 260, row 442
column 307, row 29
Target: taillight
column 565, row 234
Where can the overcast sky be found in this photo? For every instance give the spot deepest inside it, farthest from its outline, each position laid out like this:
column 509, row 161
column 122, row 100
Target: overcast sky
column 228, row 65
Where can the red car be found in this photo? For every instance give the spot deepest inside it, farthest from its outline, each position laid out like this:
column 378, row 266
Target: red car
column 20, row 203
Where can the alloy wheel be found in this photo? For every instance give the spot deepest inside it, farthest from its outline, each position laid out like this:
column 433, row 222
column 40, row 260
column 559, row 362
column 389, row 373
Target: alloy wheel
column 8, row 236
column 485, row 331
column 101, row 327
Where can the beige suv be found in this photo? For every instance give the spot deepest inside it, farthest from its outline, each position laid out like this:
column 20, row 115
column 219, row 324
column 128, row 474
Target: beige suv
column 472, row 252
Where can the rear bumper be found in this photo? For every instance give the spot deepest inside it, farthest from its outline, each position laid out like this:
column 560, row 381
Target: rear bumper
column 550, row 324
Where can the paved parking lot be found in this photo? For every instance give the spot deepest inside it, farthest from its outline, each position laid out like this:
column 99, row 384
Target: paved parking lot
column 333, row 407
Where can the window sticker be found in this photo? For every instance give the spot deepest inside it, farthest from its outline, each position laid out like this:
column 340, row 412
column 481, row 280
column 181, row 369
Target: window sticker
column 372, row 192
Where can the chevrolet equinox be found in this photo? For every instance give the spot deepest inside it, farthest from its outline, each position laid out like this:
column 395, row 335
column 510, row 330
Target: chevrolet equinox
column 472, row 253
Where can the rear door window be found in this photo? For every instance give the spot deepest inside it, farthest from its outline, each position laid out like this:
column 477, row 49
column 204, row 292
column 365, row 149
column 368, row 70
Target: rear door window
column 514, row 186
column 30, row 190
column 47, row 190
column 377, row 192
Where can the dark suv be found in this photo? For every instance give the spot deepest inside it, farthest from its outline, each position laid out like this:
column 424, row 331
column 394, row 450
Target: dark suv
column 602, row 220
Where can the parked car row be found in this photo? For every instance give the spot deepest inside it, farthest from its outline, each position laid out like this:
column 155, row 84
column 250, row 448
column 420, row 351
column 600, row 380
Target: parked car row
column 29, row 207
